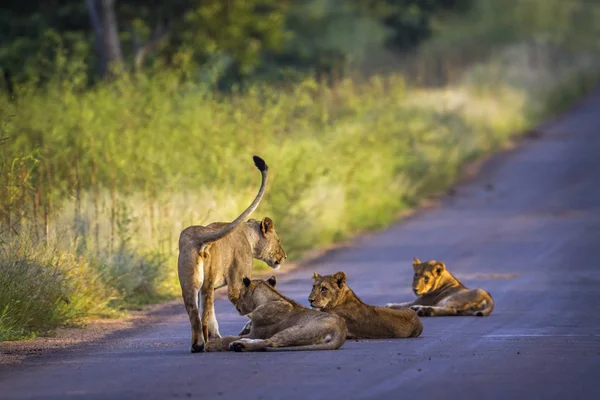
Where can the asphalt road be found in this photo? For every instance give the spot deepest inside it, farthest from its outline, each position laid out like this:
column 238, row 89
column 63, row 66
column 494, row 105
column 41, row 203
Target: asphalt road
column 527, row 230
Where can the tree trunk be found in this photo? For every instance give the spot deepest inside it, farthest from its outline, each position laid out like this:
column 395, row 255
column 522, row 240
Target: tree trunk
column 104, row 22
column 111, row 34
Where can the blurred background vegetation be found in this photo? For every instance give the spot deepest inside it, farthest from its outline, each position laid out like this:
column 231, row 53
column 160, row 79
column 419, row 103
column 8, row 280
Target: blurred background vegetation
column 125, row 121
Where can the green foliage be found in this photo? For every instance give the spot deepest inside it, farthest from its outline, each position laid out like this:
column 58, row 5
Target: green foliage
column 44, row 288
column 330, row 34
column 197, row 33
column 409, row 22
column 38, row 40
column 215, row 41
column 137, row 279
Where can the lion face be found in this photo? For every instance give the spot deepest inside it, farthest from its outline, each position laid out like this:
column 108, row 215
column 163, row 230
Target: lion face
column 326, row 290
column 268, row 248
column 427, row 276
column 252, row 294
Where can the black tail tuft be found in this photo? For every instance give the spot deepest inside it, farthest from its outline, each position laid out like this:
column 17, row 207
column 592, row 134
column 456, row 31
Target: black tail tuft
column 260, row 164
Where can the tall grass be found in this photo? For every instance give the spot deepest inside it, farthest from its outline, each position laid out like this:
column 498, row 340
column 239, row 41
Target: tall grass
column 43, row 288
column 117, row 171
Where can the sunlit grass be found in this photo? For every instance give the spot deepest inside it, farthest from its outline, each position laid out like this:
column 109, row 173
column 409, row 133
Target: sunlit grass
column 45, row 288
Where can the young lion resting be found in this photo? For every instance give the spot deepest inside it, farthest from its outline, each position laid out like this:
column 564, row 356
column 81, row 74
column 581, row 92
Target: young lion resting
column 331, row 295
column 221, row 254
column 280, row 323
column 439, row 293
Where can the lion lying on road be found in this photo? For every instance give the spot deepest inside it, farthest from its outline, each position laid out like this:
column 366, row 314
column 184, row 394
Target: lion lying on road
column 221, row 254
column 439, row 293
column 331, row 295
column 272, row 281
column 280, row 323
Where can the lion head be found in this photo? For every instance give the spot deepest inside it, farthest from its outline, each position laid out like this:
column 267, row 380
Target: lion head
column 326, row 290
column 254, row 293
column 428, row 276
column 268, row 247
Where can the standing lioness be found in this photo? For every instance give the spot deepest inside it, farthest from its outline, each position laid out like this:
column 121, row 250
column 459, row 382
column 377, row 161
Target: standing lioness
column 278, row 322
column 331, row 295
column 439, row 293
column 221, row 254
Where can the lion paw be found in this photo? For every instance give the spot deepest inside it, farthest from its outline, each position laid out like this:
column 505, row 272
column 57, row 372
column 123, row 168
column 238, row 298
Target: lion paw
column 197, row 348
column 214, row 335
column 422, row 311
column 237, row 346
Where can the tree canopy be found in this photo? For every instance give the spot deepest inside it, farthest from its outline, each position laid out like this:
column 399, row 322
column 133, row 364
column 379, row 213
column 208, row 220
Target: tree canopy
column 207, row 39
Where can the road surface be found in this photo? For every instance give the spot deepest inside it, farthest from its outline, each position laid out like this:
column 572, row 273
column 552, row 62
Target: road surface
column 527, row 229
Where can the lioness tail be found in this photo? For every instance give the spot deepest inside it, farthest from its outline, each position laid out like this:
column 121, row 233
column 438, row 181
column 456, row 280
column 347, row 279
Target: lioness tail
column 264, row 169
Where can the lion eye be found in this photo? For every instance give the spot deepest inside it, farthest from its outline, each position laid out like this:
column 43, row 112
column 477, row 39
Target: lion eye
column 323, row 289
column 426, row 279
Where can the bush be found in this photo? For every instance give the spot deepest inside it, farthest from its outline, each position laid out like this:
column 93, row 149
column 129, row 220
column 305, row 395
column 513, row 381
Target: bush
column 42, row 289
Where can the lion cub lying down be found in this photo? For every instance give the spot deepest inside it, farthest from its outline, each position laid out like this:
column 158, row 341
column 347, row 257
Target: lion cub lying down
column 280, row 322
column 439, row 293
column 331, row 295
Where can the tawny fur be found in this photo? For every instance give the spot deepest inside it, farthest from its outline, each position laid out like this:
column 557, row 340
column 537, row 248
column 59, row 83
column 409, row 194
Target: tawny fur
column 280, row 323
column 272, row 281
column 331, row 294
column 439, row 293
column 221, row 254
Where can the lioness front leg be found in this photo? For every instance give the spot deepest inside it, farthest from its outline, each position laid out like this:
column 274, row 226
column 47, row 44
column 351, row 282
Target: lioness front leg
column 303, row 337
column 238, row 270
column 399, row 306
column 220, row 344
column 246, row 329
column 433, row 311
column 286, row 338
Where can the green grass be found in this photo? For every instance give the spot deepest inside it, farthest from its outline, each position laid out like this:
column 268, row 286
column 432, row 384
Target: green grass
column 122, row 168
column 42, row 289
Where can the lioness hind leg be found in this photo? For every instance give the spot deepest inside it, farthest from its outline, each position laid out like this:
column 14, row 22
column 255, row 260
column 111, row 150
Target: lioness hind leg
column 191, row 276
column 220, row 344
column 191, row 306
column 475, row 302
column 431, row 311
column 479, row 309
column 399, row 306
column 485, row 304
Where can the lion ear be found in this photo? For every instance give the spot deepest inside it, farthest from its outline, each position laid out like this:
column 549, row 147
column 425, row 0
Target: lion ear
column 340, row 278
column 439, row 268
column 416, row 263
column 247, row 281
column 272, row 281
column 267, row 225
column 316, row 276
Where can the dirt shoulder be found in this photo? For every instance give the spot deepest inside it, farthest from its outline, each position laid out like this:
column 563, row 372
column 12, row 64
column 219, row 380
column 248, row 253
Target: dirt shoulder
column 95, row 330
